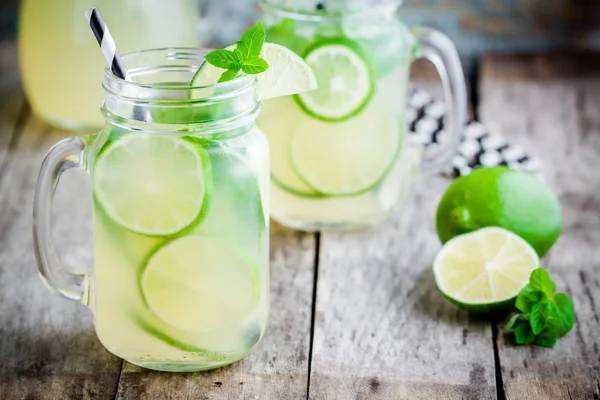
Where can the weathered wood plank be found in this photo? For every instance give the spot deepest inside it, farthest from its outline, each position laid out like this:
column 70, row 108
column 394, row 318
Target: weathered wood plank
column 383, row 331
column 48, row 347
column 551, row 107
column 278, row 368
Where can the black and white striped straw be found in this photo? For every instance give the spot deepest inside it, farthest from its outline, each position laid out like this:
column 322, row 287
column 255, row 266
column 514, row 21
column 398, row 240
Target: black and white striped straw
column 107, row 44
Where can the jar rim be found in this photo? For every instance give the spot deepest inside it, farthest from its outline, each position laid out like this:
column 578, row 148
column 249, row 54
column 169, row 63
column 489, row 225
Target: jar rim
column 175, row 53
column 324, row 15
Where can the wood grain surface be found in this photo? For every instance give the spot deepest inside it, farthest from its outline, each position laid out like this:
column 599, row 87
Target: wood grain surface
column 376, row 327
column 383, row 331
column 550, row 105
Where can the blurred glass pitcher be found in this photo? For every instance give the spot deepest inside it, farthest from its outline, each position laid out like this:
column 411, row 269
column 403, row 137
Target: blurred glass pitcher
column 339, row 154
column 61, row 66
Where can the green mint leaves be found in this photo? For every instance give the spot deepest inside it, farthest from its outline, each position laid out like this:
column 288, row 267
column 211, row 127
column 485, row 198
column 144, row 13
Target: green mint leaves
column 245, row 57
column 545, row 316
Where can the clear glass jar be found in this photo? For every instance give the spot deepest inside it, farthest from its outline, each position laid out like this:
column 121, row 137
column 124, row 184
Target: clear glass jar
column 339, row 164
column 181, row 229
column 61, row 65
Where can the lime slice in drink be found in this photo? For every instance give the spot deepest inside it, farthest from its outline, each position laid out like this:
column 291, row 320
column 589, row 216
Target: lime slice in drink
column 485, row 270
column 278, row 119
column 199, row 284
column 150, row 184
column 346, row 158
column 287, row 73
column 346, row 81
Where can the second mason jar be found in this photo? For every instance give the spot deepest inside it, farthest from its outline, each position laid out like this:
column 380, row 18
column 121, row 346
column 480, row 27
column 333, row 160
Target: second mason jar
column 339, row 154
column 181, row 229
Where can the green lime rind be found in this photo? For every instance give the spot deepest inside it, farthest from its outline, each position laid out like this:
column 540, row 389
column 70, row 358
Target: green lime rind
column 366, row 189
column 497, row 308
column 355, row 47
column 254, row 269
column 207, row 354
column 206, row 202
column 514, row 200
column 310, row 195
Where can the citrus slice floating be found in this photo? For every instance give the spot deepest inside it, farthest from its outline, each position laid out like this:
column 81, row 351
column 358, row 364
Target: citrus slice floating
column 346, row 158
column 345, row 80
column 199, row 284
column 485, row 270
column 150, row 184
column 287, row 73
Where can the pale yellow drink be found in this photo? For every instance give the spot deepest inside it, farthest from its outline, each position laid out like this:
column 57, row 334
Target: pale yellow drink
column 351, row 169
column 215, row 305
column 61, row 65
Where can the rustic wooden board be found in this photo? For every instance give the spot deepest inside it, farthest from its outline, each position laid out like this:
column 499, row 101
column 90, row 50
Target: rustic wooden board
column 383, row 331
column 278, row 368
column 551, row 107
column 48, row 348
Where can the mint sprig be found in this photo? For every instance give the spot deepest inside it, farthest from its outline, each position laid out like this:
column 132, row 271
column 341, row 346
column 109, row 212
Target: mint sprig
column 545, row 316
column 245, row 57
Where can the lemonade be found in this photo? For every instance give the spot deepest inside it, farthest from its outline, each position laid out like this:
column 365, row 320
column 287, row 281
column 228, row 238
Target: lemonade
column 180, row 179
column 61, row 65
column 181, row 239
column 338, row 154
column 180, row 247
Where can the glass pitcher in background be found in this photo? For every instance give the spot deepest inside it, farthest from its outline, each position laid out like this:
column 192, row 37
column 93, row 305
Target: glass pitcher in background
column 339, row 158
column 61, row 66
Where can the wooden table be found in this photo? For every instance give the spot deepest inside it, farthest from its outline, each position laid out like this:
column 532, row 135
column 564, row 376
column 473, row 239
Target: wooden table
column 353, row 316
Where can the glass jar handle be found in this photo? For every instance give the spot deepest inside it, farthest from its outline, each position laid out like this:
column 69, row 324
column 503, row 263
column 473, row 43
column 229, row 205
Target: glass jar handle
column 64, row 155
column 439, row 49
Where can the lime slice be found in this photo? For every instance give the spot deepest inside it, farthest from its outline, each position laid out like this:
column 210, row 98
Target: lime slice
column 346, row 158
column 344, row 77
column 287, row 74
column 279, row 119
column 150, row 184
column 199, row 284
column 485, row 270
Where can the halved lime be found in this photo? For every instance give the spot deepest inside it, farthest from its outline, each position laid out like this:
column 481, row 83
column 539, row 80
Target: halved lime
column 150, row 184
column 199, row 284
column 287, row 74
column 485, row 270
column 346, row 158
column 345, row 79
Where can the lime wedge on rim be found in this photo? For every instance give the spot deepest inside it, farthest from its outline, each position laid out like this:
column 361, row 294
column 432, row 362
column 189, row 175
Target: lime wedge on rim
column 287, row 74
column 150, row 184
column 199, row 284
column 346, row 81
column 485, row 270
column 346, row 158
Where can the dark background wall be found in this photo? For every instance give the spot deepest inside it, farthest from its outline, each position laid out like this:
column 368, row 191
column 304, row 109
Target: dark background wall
column 476, row 26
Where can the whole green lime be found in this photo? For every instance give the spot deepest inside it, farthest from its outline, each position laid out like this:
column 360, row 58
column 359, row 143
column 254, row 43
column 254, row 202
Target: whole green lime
column 514, row 200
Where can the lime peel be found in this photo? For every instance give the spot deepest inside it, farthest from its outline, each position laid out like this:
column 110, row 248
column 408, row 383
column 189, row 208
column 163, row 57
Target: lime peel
column 485, row 270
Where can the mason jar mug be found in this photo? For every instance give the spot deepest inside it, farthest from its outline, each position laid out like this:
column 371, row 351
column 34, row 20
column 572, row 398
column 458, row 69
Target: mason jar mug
column 339, row 154
column 180, row 175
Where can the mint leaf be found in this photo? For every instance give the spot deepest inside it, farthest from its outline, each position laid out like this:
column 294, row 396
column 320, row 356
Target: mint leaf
column 523, row 334
column 566, row 312
column 546, row 339
column 527, row 298
column 540, row 280
column 224, row 59
column 538, row 317
column 255, row 65
column 514, row 319
column 251, row 42
column 228, row 75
